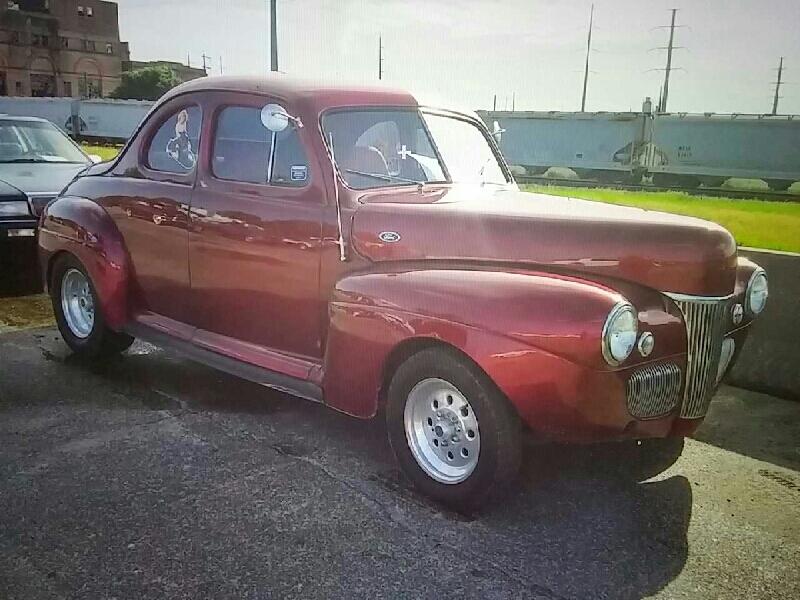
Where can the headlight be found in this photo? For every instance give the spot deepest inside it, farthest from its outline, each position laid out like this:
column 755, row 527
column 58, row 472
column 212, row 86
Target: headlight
column 16, row 208
column 619, row 333
column 757, row 292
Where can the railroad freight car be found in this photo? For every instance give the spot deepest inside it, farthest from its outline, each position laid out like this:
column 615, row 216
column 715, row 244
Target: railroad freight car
column 675, row 149
column 96, row 119
column 690, row 149
column 594, row 145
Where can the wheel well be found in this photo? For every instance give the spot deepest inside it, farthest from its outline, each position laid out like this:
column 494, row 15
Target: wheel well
column 409, row 347
column 52, row 261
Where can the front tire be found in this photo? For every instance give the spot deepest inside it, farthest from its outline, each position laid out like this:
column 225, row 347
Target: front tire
column 78, row 313
column 455, row 435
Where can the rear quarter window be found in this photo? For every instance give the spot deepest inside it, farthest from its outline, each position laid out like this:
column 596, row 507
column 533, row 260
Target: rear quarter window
column 173, row 149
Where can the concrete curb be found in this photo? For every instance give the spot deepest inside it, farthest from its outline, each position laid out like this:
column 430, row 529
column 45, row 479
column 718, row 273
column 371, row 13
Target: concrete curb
column 770, row 359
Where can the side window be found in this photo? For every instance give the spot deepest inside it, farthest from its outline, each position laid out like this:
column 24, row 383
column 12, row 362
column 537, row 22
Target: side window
column 173, row 148
column 242, row 147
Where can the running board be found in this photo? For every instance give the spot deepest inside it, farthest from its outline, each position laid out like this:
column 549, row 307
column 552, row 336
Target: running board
column 271, row 379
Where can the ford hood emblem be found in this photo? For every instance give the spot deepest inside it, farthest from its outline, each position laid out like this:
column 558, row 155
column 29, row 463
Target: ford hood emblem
column 389, row 236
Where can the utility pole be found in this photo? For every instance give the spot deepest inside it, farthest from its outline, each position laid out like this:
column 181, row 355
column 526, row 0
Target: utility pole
column 494, row 103
column 205, row 66
column 273, row 33
column 777, row 88
column 513, row 101
column 220, row 64
column 586, row 68
column 380, row 58
column 665, row 94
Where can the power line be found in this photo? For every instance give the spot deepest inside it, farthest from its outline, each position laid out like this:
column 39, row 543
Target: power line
column 586, row 69
column 777, row 88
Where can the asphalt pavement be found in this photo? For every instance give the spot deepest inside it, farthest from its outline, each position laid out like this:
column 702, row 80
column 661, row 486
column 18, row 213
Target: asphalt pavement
column 154, row 477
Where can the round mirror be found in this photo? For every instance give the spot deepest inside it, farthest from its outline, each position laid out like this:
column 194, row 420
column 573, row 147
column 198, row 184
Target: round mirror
column 274, row 117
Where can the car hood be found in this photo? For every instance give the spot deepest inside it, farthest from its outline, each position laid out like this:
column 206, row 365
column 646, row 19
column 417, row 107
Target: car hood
column 488, row 224
column 38, row 179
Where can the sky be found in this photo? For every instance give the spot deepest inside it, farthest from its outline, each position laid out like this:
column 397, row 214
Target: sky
column 529, row 53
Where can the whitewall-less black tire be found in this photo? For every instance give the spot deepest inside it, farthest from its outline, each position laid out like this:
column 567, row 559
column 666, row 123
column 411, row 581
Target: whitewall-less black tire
column 78, row 313
column 455, row 435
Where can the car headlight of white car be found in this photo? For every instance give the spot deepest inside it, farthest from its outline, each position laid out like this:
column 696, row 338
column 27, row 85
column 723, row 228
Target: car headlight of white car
column 619, row 333
column 15, row 208
column 755, row 298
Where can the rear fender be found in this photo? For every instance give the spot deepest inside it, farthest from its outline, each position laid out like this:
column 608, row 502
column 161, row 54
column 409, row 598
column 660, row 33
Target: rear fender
column 82, row 228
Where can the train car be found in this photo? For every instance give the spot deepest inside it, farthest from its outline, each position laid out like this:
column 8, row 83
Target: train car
column 690, row 149
column 96, row 119
column 593, row 145
column 675, row 149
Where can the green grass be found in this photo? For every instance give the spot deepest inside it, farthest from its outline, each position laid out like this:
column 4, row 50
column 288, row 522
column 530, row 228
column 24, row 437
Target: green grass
column 757, row 223
column 104, row 152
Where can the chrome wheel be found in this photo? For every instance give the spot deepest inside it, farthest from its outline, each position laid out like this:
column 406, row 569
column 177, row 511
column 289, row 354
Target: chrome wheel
column 442, row 431
column 77, row 303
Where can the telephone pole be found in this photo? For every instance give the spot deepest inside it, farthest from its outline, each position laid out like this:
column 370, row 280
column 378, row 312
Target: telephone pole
column 380, row 58
column 665, row 94
column 777, row 88
column 586, row 68
column 205, row 66
column 273, row 33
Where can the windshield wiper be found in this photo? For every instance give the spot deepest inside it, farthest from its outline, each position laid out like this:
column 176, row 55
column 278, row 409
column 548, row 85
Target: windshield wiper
column 386, row 177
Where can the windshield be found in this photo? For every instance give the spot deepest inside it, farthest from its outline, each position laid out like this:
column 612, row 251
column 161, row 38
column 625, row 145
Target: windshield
column 35, row 142
column 381, row 148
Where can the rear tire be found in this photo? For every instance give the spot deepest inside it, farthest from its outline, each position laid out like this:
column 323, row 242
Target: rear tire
column 455, row 435
column 78, row 313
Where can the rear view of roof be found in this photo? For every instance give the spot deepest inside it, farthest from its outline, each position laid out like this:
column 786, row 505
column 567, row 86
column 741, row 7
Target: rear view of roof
column 291, row 89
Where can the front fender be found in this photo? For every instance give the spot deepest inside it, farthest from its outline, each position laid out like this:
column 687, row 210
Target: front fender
column 505, row 321
column 82, row 228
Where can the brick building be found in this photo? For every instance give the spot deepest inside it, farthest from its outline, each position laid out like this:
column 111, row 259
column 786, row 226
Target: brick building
column 60, row 48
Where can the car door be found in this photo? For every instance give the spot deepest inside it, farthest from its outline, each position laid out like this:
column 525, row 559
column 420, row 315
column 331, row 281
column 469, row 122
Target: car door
column 254, row 244
column 149, row 202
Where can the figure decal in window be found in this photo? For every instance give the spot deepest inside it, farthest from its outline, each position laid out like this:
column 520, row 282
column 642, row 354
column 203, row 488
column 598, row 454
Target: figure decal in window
column 179, row 148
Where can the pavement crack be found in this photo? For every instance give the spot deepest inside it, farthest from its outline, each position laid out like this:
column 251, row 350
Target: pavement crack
column 541, row 592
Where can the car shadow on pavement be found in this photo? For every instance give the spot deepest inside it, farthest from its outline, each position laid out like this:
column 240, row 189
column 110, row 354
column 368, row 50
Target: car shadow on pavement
column 578, row 524
column 19, row 268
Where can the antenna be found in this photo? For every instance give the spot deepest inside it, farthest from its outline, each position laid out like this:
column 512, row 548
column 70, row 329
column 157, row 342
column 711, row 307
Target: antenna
column 273, row 35
column 777, row 88
column 586, row 68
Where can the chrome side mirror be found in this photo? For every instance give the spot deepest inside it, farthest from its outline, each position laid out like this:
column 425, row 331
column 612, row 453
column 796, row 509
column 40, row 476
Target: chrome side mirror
column 275, row 118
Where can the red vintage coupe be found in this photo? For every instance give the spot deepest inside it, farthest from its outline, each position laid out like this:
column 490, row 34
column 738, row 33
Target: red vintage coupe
column 362, row 249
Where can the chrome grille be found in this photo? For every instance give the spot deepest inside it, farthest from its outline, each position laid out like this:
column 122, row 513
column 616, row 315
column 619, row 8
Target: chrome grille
column 705, row 326
column 654, row 390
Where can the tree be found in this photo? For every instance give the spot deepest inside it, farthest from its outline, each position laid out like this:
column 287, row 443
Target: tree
column 148, row 83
